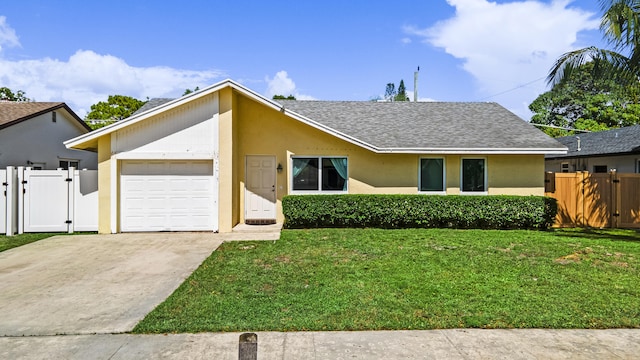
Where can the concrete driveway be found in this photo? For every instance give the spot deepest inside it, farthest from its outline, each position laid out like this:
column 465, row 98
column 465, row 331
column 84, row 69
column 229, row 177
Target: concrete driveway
column 88, row 284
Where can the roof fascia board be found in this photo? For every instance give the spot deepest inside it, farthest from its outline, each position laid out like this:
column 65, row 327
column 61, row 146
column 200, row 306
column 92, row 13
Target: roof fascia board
column 567, row 156
column 535, row 151
column 75, row 116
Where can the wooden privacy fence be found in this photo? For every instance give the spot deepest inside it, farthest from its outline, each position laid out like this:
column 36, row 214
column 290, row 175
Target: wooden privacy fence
column 609, row 200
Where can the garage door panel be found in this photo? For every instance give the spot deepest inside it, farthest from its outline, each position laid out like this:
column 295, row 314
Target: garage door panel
column 168, row 196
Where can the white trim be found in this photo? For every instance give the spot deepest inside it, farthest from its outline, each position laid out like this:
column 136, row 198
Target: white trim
column 319, row 191
column 486, row 177
column 475, row 151
column 21, row 191
column 114, row 195
column 444, row 176
column 163, row 156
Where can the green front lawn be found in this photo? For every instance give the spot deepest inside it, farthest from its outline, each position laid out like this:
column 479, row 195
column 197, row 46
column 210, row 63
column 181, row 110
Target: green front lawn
column 10, row 242
column 366, row 279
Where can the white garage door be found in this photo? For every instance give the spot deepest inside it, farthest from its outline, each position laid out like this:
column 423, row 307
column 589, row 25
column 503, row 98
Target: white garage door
column 168, row 196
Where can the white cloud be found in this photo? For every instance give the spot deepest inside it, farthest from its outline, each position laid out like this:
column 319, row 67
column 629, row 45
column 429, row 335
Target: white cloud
column 7, row 34
column 87, row 77
column 281, row 84
column 510, row 44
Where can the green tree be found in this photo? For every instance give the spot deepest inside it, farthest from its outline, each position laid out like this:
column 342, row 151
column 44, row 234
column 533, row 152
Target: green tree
column 189, row 91
column 117, row 107
column 7, row 95
column 390, row 92
column 282, row 97
column 402, row 93
column 585, row 102
column 620, row 24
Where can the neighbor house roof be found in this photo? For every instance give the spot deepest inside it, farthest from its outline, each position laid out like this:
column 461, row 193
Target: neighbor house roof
column 12, row 112
column 409, row 127
column 152, row 103
column 620, row 141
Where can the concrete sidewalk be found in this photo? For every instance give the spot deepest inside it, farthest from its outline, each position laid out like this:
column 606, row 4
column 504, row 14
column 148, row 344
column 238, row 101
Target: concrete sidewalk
column 431, row 344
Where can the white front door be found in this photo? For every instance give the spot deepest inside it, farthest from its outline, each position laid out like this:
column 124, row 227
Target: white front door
column 260, row 190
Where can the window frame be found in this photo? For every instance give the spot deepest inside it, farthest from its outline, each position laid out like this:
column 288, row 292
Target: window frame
column 486, row 177
column 68, row 161
column 563, row 169
column 444, row 175
column 600, row 167
column 319, row 191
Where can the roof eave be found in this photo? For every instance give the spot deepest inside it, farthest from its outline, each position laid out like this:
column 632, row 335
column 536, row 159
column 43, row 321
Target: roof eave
column 473, row 151
column 577, row 156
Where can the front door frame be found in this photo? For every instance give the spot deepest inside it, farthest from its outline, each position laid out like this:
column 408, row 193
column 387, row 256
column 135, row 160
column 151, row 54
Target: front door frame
column 267, row 203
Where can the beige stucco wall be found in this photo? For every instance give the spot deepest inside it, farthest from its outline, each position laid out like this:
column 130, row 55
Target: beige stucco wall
column 104, row 184
column 247, row 127
column 265, row 131
column 227, row 198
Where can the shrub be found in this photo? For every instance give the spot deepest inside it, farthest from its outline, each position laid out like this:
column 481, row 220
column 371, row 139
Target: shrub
column 419, row 211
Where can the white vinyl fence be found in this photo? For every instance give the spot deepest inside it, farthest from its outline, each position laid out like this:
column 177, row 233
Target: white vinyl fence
column 48, row 200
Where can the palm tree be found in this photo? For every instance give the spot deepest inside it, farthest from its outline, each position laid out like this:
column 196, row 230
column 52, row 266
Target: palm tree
column 620, row 25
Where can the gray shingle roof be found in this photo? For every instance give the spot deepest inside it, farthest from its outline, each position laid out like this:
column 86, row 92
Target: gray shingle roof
column 617, row 141
column 152, row 103
column 426, row 125
column 420, row 126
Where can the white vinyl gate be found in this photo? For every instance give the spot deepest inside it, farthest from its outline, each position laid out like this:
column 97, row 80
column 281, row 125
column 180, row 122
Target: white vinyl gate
column 46, row 200
column 3, row 203
column 8, row 201
column 49, row 200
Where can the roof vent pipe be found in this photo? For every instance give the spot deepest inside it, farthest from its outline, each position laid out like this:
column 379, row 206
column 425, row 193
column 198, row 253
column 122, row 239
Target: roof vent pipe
column 578, row 138
column 415, row 85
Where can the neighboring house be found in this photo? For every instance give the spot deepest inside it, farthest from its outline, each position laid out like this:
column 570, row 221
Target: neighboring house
column 32, row 135
column 226, row 155
column 599, row 152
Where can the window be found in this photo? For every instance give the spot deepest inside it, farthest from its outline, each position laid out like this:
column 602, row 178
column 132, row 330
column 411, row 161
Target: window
column 638, row 166
column 36, row 166
column 600, row 169
column 474, row 175
column 431, row 177
column 66, row 164
column 319, row 174
column 564, row 167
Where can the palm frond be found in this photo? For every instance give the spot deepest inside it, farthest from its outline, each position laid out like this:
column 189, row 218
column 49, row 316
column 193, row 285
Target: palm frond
column 607, row 64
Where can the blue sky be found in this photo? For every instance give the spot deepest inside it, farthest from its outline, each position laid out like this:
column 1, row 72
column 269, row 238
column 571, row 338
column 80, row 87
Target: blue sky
column 80, row 52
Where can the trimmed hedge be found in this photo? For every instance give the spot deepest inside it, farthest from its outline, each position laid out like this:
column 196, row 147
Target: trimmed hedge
column 419, row 211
